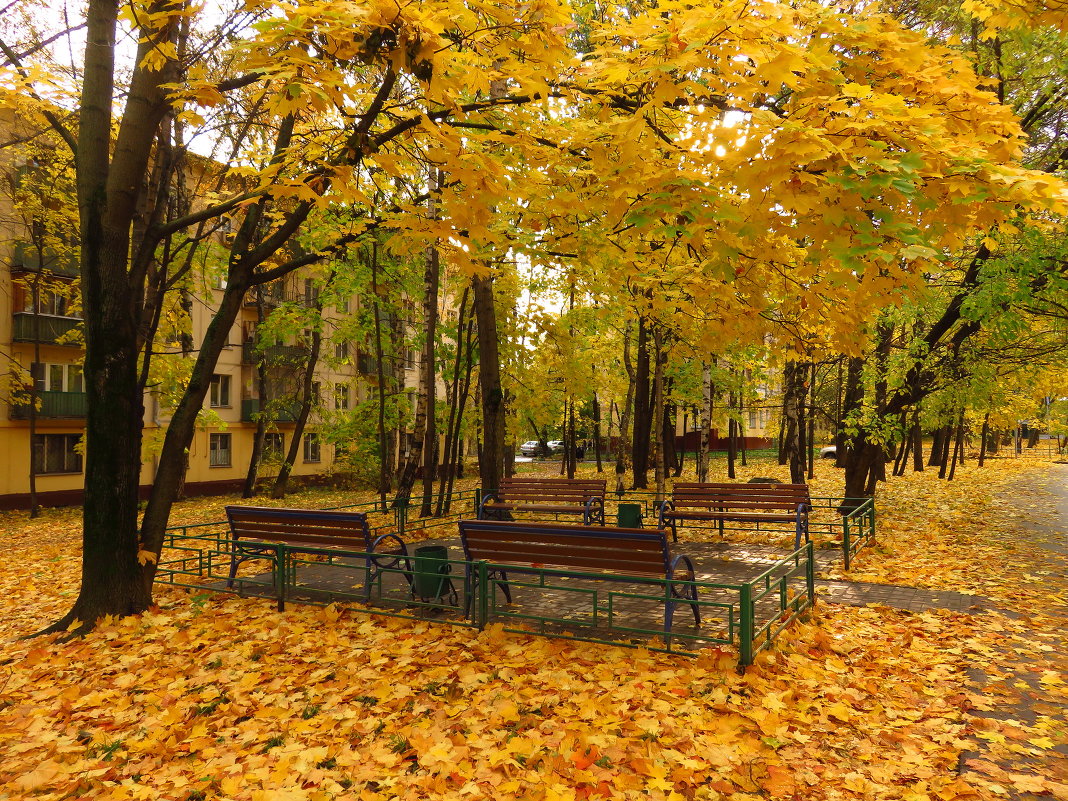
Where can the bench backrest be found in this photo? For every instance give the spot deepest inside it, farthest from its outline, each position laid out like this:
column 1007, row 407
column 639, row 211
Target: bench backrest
column 300, row 526
column 740, row 496
column 576, row 489
column 593, row 549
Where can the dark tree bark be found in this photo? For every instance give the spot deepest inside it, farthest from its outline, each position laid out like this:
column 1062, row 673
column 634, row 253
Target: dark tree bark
column 252, row 475
column 794, row 389
column 983, row 437
column 917, row 442
column 622, row 444
column 643, row 420
column 491, row 458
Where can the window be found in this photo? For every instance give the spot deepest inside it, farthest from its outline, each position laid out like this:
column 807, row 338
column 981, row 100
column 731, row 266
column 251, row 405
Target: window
column 312, row 450
column 316, row 391
column 341, row 351
column 49, row 302
column 341, row 396
column 58, row 377
column 56, row 453
column 219, row 453
column 220, row 390
column 343, row 306
column 311, row 291
column 274, row 445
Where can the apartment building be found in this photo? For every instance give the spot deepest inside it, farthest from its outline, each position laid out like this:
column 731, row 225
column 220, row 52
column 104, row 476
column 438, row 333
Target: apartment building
column 42, row 392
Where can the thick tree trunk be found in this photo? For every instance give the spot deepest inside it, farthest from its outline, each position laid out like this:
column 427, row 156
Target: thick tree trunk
column 491, row 461
column 937, row 437
column 794, row 389
column 113, row 579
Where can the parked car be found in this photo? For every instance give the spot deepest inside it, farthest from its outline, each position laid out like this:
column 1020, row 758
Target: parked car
column 531, row 448
column 829, row 452
column 556, row 446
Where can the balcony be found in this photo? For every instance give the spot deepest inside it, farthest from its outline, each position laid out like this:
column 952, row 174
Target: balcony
column 274, row 294
column 44, row 328
column 26, row 258
column 53, row 405
column 251, row 353
column 283, row 413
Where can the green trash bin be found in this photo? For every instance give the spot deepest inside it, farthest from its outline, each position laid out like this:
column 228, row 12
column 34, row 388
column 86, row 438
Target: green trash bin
column 430, row 581
column 629, row 515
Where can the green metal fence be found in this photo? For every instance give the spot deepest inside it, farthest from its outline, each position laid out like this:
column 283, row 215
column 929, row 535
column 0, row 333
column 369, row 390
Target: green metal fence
column 747, row 615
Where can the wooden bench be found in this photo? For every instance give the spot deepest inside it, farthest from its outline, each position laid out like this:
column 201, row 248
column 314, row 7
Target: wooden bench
column 257, row 531
column 615, row 554
column 560, row 496
column 738, row 503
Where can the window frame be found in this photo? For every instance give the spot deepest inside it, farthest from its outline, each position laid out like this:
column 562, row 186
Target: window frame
column 214, row 449
column 217, row 397
column 73, row 463
column 312, row 442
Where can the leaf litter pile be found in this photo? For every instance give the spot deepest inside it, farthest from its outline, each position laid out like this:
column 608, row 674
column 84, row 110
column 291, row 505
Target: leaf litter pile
column 215, row 697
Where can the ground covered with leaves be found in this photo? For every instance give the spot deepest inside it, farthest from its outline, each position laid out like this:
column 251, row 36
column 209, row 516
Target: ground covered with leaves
column 211, row 696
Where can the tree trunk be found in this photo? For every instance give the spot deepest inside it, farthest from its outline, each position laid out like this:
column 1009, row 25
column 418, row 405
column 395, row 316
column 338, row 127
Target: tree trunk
column 704, row 441
column 917, row 444
column 597, row 431
column 958, row 446
column 307, row 400
column 113, row 579
column 431, row 288
column 491, row 461
column 793, row 413
column 983, row 437
column 465, row 347
column 643, row 421
column 251, row 476
column 936, row 446
column 659, row 357
column 385, row 472
column 622, row 445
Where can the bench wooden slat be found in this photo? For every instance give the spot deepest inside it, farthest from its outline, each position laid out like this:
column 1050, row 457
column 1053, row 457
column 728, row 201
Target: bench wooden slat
column 558, row 496
column 618, row 554
column 254, row 528
column 738, row 503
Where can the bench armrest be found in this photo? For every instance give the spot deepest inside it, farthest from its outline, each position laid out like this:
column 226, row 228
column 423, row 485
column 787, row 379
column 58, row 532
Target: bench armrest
column 379, row 553
column 489, row 496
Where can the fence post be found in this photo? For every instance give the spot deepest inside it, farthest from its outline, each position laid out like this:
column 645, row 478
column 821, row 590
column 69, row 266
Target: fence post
column 280, row 574
column 475, row 500
column 845, row 541
column 810, row 572
column 483, row 594
column 745, row 637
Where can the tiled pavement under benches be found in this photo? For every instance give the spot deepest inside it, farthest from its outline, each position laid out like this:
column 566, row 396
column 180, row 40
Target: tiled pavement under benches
column 721, row 561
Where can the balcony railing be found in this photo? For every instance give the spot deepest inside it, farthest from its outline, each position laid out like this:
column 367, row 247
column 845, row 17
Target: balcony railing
column 273, row 354
column 45, row 328
column 26, row 257
column 280, row 412
column 53, row 405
